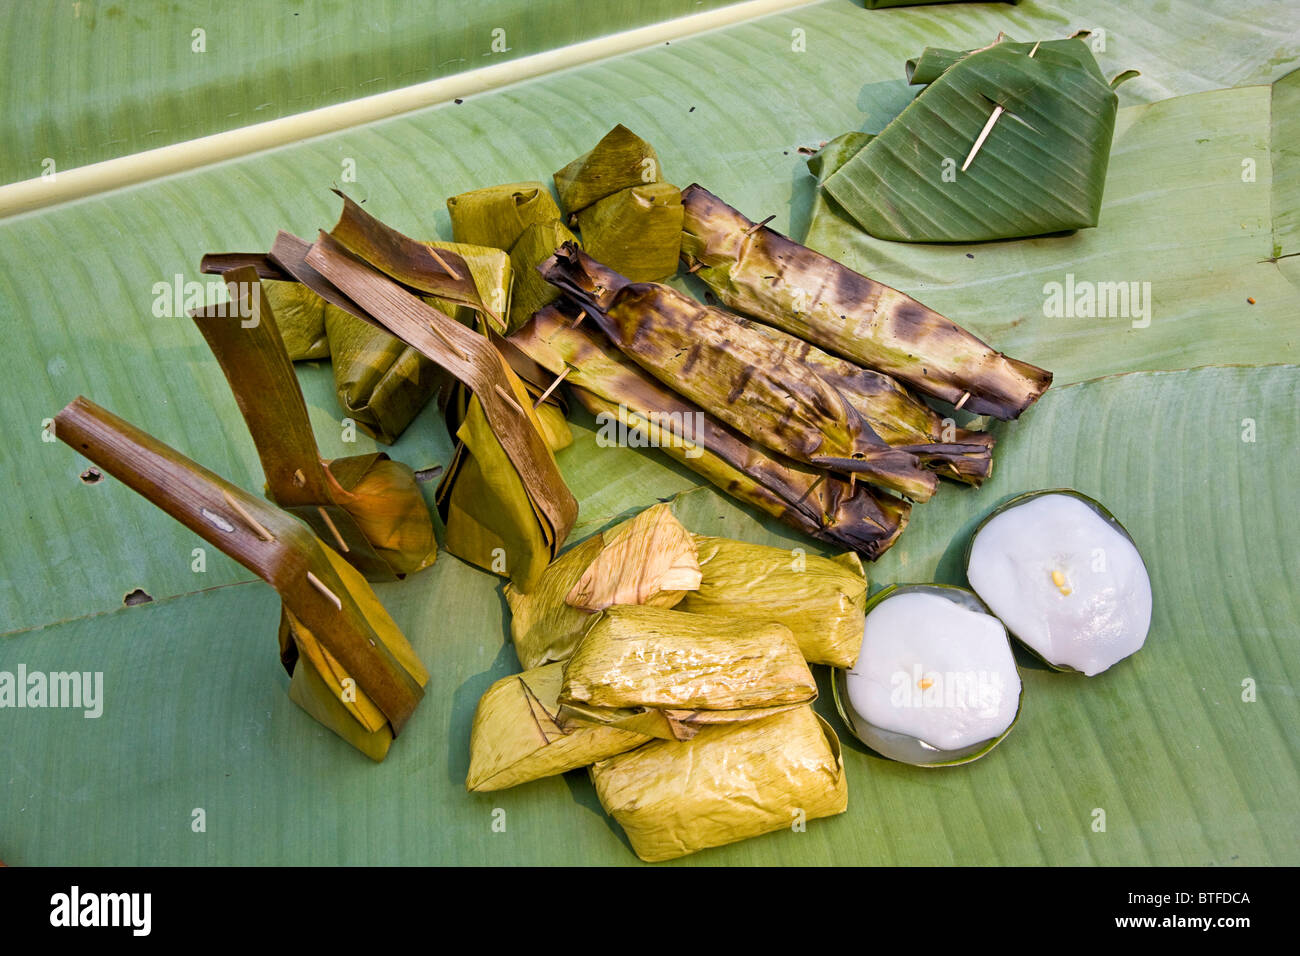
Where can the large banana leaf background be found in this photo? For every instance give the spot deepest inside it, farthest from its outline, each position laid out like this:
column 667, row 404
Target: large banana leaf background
column 1187, row 428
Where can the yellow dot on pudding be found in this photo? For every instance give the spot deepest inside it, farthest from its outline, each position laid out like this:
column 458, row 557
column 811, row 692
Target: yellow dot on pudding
column 925, row 683
column 1059, row 580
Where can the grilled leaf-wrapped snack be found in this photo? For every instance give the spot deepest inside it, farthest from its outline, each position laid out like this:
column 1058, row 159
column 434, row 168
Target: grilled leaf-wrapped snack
column 515, row 510
column 620, row 394
column 535, row 245
column 497, row 215
column 734, row 373
column 365, row 680
column 667, row 673
column 515, row 737
column 637, row 232
column 894, row 414
column 543, row 627
column 760, row 272
column 620, row 160
column 300, row 315
column 730, row 782
column 367, row 506
column 821, row 600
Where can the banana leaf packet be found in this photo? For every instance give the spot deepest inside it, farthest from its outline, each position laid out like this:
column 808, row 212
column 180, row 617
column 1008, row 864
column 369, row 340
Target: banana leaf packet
column 497, row 216
column 629, row 218
column 515, row 738
column 728, row 783
column 1029, row 124
column 352, row 669
column 821, row 600
column 667, row 673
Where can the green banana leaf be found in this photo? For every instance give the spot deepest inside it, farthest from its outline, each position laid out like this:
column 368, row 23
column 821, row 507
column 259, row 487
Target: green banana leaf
column 195, row 711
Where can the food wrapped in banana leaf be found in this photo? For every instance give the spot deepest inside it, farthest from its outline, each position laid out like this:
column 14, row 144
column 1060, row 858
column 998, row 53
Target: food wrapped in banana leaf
column 622, row 396
column 515, row 738
column 649, row 559
column 761, row 273
column 352, row 668
column 821, row 600
column 894, row 413
column 730, row 782
column 300, row 315
column 367, row 506
column 543, row 627
column 637, row 232
column 497, row 215
column 620, row 160
column 535, row 245
column 503, row 499
column 735, row 374
column 667, row 673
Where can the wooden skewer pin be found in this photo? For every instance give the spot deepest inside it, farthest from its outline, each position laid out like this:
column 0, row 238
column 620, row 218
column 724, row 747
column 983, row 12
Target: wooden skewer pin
column 509, row 398
column 988, row 127
column 552, row 387
column 329, row 523
column 759, row 225
column 248, row 518
column 962, row 401
column 319, row 585
column 442, row 262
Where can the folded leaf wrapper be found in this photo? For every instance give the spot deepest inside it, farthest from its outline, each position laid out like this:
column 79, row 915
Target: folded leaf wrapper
column 620, row 160
column 543, row 627
column 650, row 559
column 531, row 292
column 667, row 673
column 637, row 231
column 1041, row 167
column 760, row 272
column 369, row 507
column 728, row 783
column 821, row 600
column 497, row 215
column 368, row 680
column 630, row 403
column 515, row 738
column 300, row 315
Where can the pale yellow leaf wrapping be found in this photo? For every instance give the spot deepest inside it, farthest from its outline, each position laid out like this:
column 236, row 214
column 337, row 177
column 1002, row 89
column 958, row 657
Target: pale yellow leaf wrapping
column 515, row 739
column 648, row 560
column 822, row 600
column 728, row 783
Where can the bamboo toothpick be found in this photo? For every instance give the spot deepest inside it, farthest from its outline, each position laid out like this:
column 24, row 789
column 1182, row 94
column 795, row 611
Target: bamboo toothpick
column 509, row 398
column 962, row 401
column 442, row 262
column 759, row 225
column 248, row 518
column 299, row 478
column 988, row 127
column 698, row 266
column 552, row 387
column 329, row 523
column 319, row 585
column 446, row 340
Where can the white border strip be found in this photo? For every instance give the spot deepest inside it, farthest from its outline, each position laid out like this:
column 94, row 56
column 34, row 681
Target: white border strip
column 121, row 171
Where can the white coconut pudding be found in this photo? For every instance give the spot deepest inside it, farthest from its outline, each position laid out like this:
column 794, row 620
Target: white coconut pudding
column 1065, row 578
column 935, row 681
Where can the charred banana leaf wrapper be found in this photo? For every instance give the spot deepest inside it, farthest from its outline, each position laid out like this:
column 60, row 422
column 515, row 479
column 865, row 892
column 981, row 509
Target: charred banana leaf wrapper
column 630, row 219
column 728, row 783
column 515, row 737
column 761, row 273
column 1031, row 125
column 894, row 414
column 622, row 396
column 821, row 600
column 381, row 383
column 505, row 504
column 368, row 507
column 667, row 673
column 535, row 245
column 735, row 374
column 352, row 668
